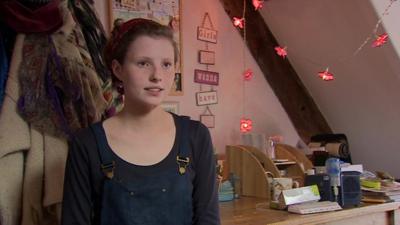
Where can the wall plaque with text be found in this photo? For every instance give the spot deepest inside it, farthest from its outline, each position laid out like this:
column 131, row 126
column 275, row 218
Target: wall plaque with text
column 206, row 77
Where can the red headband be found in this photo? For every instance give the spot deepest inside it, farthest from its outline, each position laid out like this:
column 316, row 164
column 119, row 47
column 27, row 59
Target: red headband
column 119, row 32
column 124, row 28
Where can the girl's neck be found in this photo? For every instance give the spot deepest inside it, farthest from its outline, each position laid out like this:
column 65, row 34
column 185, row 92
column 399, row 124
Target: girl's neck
column 142, row 118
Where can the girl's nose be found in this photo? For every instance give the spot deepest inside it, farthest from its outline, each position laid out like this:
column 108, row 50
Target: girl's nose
column 155, row 79
column 156, row 76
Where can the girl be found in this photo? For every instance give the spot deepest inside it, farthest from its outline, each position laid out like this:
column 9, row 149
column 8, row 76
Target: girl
column 143, row 166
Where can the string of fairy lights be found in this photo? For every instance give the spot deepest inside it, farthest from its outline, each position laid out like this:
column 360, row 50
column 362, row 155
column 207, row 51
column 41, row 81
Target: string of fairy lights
column 378, row 40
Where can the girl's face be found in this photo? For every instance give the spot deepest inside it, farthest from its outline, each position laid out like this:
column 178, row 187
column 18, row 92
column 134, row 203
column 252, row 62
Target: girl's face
column 148, row 70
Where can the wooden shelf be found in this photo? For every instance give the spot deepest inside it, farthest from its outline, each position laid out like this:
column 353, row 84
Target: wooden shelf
column 284, row 163
column 283, row 151
column 250, row 168
column 251, row 165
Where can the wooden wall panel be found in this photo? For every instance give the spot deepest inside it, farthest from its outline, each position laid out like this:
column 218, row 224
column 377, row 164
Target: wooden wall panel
column 283, row 79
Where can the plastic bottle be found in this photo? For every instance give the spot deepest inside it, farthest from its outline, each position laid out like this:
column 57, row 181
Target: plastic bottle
column 333, row 170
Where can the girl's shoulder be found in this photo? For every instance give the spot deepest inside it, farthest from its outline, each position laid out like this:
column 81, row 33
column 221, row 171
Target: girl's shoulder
column 194, row 126
column 86, row 137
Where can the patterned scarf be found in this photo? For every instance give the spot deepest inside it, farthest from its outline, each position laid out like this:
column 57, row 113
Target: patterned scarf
column 60, row 91
column 22, row 19
column 93, row 31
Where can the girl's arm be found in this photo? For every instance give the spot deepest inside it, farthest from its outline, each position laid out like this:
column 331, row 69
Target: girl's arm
column 205, row 190
column 77, row 201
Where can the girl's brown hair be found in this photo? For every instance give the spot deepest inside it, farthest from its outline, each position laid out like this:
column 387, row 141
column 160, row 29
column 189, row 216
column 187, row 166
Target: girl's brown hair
column 125, row 33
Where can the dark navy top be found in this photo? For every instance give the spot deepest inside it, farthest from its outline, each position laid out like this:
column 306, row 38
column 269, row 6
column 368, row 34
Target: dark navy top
column 84, row 177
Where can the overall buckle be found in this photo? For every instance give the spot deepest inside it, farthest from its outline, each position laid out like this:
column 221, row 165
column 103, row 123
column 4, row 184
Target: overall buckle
column 108, row 169
column 183, row 162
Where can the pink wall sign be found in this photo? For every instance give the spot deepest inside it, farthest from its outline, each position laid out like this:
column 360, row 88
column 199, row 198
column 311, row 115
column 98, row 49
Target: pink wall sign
column 206, row 77
column 206, row 98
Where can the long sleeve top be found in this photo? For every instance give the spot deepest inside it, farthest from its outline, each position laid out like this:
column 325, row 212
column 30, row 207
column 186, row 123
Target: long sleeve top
column 84, row 178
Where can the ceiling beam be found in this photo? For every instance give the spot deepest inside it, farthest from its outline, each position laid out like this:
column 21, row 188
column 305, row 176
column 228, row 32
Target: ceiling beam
column 283, row 79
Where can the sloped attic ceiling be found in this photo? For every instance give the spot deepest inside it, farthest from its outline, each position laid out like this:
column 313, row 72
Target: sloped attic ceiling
column 283, row 79
column 363, row 101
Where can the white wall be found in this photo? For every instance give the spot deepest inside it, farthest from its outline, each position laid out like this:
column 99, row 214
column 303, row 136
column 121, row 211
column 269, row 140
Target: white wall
column 363, row 101
column 262, row 105
column 390, row 22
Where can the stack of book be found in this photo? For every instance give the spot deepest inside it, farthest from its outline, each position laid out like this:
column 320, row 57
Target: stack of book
column 382, row 194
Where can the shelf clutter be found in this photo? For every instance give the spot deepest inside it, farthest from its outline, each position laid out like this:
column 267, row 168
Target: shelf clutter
column 384, row 192
column 328, row 187
column 286, row 182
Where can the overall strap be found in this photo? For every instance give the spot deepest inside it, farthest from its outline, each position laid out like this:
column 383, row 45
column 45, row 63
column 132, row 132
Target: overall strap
column 107, row 163
column 183, row 158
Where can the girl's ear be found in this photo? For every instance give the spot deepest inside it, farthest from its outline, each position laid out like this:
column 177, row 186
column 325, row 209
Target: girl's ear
column 116, row 69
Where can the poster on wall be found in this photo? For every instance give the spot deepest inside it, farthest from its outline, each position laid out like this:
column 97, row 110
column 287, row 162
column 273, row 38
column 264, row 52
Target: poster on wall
column 166, row 12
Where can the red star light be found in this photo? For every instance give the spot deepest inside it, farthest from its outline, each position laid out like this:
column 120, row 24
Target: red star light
column 325, row 75
column 245, row 125
column 238, row 22
column 281, row 51
column 380, row 40
column 258, row 4
column 248, row 74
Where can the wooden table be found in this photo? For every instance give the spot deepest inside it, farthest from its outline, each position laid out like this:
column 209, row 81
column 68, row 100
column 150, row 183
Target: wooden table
column 254, row 211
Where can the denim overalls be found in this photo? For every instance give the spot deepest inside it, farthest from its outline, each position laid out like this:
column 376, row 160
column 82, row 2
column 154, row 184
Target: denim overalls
column 163, row 198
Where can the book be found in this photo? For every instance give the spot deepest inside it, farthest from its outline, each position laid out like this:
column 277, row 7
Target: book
column 389, row 193
column 382, row 194
column 380, row 199
column 383, row 189
column 374, row 199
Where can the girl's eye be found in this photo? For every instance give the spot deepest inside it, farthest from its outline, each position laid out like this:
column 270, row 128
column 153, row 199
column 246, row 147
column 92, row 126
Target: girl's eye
column 143, row 64
column 167, row 65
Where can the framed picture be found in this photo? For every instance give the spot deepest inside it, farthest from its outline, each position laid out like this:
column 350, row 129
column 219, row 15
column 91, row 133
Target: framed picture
column 208, row 120
column 176, row 88
column 171, row 107
column 206, row 98
column 166, row 12
column 206, row 57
